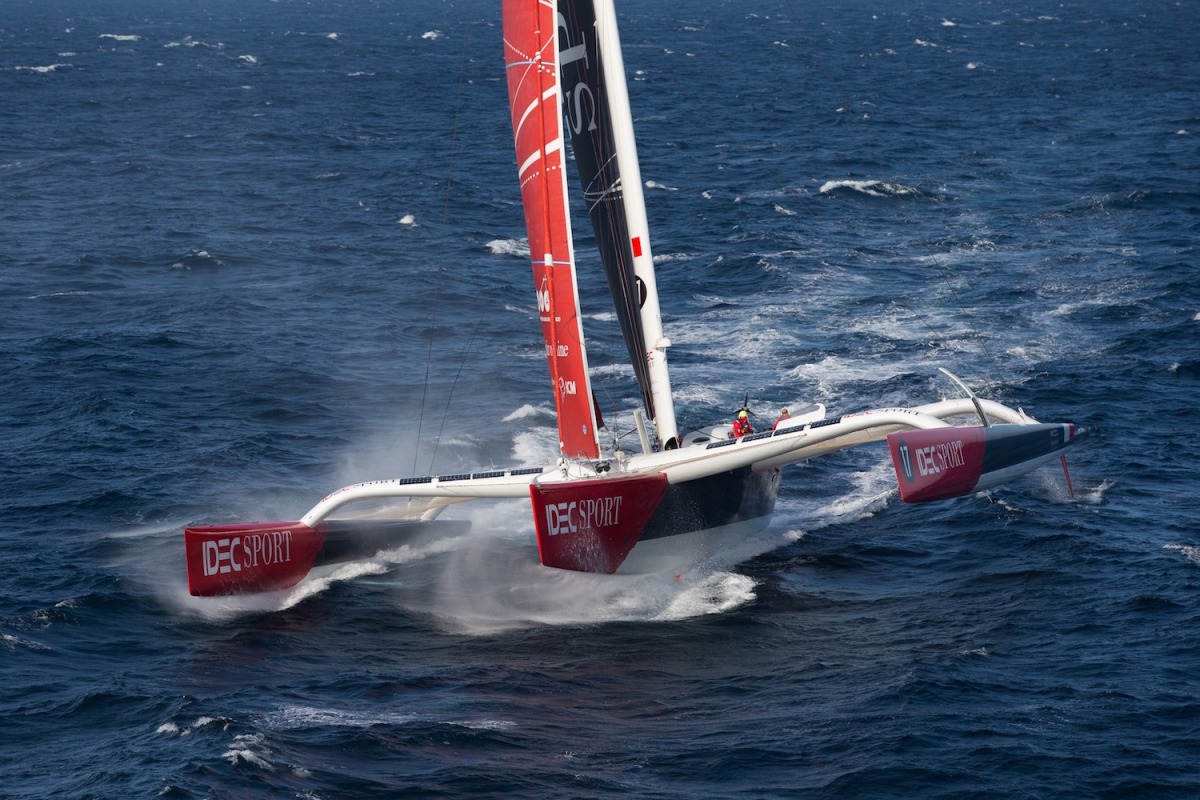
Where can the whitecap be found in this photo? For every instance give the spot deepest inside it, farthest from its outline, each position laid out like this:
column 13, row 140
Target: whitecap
column 873, row 188
column 667, row 258
column 173, row 729
column 408, row 220
column 299, row 717
column 243, row 750
column 432, row 35
column 210, row 722
column 1189, row 552
column 619, row 369
column 527, row 411
column 197, row 258
column 251, row 749
column 293, row 717
column 13, row 642
column 121, row 37
column 248, row 59
column 46, row 70
column 509, row 247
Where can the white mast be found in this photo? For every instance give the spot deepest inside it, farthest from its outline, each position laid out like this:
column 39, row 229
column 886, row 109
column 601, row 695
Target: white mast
column 613, row 64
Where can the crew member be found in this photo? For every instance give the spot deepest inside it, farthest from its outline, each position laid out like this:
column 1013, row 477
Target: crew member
column 741, row 426
column 785, row 414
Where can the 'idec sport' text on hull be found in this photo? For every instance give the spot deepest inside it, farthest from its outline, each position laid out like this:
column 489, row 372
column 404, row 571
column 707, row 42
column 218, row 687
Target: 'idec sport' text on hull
column 250, row 550
column 939, row 457
column 588, row 514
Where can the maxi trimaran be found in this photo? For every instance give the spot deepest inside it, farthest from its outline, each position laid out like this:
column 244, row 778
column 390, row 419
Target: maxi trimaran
column 683, row 495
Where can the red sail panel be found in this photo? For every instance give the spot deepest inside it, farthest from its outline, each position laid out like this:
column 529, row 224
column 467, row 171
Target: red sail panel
column 534, row 97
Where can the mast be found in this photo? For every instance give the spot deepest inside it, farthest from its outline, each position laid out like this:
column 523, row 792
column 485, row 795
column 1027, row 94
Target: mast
column 531, row 58
column 601, row 124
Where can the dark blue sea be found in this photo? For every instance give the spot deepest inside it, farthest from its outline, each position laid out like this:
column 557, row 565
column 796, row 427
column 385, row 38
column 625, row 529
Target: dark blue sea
column 253, row 251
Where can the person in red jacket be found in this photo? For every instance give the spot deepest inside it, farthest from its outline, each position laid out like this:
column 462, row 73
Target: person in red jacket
column 741, row 426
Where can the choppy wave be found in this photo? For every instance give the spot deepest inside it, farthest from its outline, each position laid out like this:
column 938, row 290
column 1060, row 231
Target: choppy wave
column 870, row 188
column 197, row 259
column 509, row 247
column 46, row 70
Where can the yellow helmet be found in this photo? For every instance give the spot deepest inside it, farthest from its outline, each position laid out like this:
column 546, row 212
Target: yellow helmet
column 742, row 414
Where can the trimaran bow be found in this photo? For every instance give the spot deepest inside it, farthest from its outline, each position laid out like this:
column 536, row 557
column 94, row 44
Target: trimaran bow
column 682, row 496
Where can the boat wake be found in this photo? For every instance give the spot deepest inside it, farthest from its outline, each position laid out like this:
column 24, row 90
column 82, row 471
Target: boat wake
column 482, row 582
column 491, row 582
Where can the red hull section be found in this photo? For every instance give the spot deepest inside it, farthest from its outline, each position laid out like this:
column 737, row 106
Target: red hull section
column 940, row 463
column 592, row 525
column 937, row 464
column 255, row 557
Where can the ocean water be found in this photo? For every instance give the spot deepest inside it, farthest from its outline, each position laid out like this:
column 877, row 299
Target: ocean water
column 254, row 251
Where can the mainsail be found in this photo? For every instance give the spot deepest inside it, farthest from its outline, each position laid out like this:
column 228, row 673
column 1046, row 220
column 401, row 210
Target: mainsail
column 531, row 57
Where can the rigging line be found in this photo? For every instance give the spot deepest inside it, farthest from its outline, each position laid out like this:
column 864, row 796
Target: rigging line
column 439, row 270
column 979, row 337
column 450, row 395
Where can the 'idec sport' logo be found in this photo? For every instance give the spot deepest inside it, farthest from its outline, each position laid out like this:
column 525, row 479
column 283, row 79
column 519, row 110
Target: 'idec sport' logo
column 577, row 515
column 251, row 550
column 933, row 459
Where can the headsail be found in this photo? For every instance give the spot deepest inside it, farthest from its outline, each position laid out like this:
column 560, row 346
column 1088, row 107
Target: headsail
column 601, row 125
column 531, row 56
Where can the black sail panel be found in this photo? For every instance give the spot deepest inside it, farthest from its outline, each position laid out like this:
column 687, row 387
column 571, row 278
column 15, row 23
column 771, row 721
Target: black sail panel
column 586, row 110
